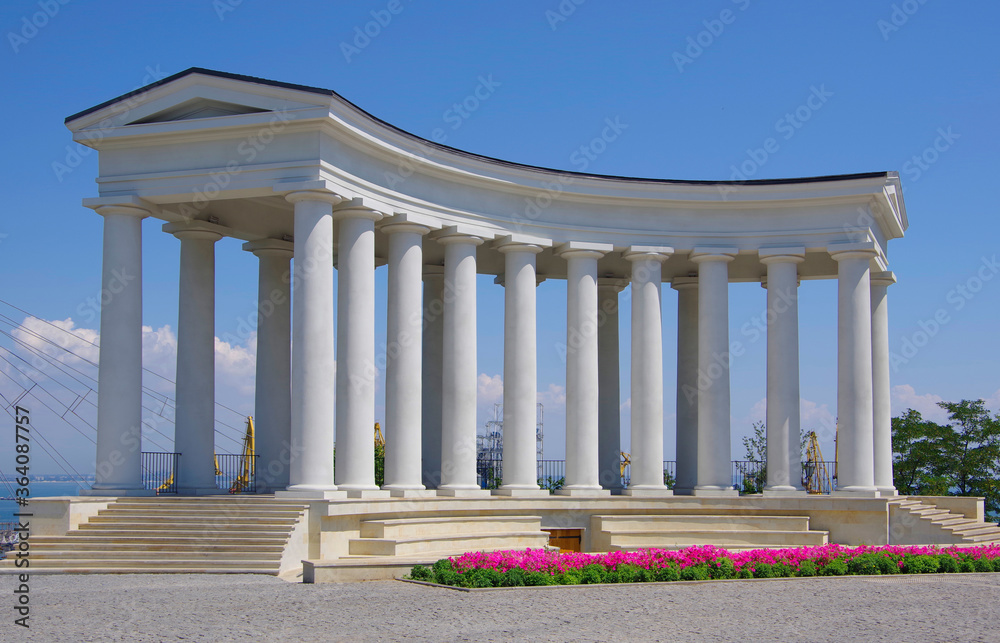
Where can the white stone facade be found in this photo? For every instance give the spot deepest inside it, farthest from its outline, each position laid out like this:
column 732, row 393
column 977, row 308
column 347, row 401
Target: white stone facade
column 308, row 180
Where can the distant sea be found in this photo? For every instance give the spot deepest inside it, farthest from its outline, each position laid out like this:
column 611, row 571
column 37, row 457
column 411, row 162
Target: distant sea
column 38, row 490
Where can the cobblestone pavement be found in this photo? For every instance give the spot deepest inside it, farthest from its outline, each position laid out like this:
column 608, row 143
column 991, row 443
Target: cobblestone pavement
column 961, row 607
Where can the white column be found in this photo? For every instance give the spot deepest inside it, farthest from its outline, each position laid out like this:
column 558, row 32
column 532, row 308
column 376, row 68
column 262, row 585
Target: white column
column 273, row 390
column 119, row 402
column 855, row 411
column 714, row 475
column 355, row 462
column 313, row 365
column 582, row 370
column 784, row 451
column 609, row 428
column 403, row 391
column 459, row 376
column 432, row 374
column 194, row 420
column 647, row 371
column 882, row 413
column 687, row 384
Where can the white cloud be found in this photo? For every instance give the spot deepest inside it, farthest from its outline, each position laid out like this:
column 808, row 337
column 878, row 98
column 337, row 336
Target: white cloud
column 490, row 389
column 554, row 397
column 993, row 401
column 626, row 405
column 905, row 397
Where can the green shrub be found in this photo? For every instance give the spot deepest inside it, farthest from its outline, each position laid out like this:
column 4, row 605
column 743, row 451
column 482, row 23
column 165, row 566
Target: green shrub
column 592, row 574
column 448, row 577
column 695, row 572
column 763, row 570
column 513, row 577
column 966, row 566
column 643, row 575
column 745, row 572
column 666, row 574
column 867, row 564
column 537, row 579
column 947, row 564
column 627, row 573
column 836, row 567
column 442, row 564
column 920, row 564
column 806, row 568
column 419, row 572
column 722, row 567
column 982, row 565
column 782, row 570
column 479, row 578
column 569, row 577
column 612, row 576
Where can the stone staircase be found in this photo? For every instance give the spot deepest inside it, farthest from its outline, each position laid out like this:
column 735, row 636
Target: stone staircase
column 447, row 536
column 923, row 523
column 239, row 535
column 666, row 531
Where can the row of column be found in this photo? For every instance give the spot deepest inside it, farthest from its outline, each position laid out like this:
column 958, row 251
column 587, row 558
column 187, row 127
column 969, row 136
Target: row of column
column 431, row 372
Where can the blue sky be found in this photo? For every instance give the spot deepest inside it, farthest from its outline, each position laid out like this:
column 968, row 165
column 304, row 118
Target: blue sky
column 910, row 86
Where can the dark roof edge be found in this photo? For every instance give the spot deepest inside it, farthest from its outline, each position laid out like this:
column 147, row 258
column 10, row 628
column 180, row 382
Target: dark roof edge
column 423, row 141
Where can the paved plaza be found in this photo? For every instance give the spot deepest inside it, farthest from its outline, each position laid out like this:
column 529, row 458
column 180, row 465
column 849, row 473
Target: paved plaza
column 262, row 608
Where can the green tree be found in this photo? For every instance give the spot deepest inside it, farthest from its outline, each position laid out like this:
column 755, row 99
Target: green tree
column 917, row 446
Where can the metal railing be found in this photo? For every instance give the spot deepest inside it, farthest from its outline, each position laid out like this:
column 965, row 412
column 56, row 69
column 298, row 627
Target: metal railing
column 159, row 471
column 235, row 474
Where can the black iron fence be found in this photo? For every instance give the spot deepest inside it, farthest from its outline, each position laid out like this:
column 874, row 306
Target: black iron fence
column 748, row 476
column 159, row 472
column 233, row 472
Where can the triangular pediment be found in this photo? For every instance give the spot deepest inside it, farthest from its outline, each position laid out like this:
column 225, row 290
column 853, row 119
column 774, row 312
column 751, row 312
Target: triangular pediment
column 198, row 108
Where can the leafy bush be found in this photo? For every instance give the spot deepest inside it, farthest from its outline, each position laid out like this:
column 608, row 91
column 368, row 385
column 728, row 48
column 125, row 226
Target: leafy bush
column 836, row 567
column 514, row 577
column 668, row 573
column 695, row 572
column 806, row 568
column 982, row 565
column 868, row 564
column 627, row 573
column 536, row 579
column 419, row 572
column 592, row 574
column 947, row 564
column 920, row 564
column 723, row 567
column 763, row 570
column 966, row 566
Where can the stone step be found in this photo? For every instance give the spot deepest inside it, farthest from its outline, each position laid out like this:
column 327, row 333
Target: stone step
column 727, row 538
column 193, row 521
column 988, row 537
column 240, row 531
column 206, row 514
column 954, row 520
column 451, row 543
column 976, row 530
column 165, row 556
column 143, row 544
column 70, row 567
column 157, row 565
column 418, row 527
column 243, row 501
column 672, row 523
column 928, row 513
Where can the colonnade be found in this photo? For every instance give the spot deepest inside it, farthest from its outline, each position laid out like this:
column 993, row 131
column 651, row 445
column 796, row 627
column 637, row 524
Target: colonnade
column 431, row 370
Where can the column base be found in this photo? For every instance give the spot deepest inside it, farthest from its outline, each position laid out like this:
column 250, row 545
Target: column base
column 716, row 492
column 784, row 492
column 311, row 494
column 471, row 492
column 412, row 493
column 648, row 493
column 521, row 493
column 584, row 492
column 117, row 492
column 201, row 491
column 887, row 492
column 861, row 492
column 366, row 494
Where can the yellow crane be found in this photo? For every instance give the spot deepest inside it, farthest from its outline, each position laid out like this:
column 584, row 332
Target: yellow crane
column 818, row 476
column 244, row 479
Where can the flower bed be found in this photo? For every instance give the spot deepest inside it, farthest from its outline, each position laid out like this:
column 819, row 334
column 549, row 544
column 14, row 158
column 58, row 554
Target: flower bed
column 541, row 567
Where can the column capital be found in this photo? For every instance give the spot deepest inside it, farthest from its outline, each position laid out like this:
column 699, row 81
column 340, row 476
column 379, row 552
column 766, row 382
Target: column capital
column 406, row 222
column 521, row 243
column 127, row 205
column 583, row 249
column 712, row 253
column 268, row 247
column 792, row 254
column 644, row 253
column 460, row 234
column 321, row 195
column 684, row 283
column 842, row 251
column 886, row 278
column 197, row 229
column 355, row 209
column 500, row 279
column 612, row 283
